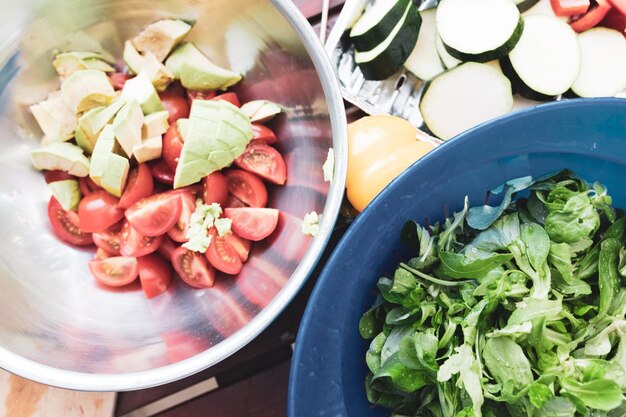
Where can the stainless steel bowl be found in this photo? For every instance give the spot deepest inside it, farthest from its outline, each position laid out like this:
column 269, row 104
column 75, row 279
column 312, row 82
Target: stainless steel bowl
column 57, row 326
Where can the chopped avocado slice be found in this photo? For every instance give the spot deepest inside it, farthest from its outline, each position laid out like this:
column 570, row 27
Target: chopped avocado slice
column 149, row 149
column 161, row 37
column 84, row 90
column 61, row 156
column 91, row 123
column 67, row 193
column 67, row 63
column 132, row 57
column 260, row 111
column 182, row 125
column 115, row 174
column 104, row 147
column 148, row 63
column 217, row 134
column 155, row 124
column 56, row 120
column 223, row 226
column 127, row 126
column 197, row 72
column 141, row 90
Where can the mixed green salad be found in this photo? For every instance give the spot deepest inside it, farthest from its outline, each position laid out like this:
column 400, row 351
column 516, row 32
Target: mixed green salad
column 511, row 310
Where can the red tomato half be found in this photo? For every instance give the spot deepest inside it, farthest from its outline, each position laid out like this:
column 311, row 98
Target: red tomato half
column 263, row 134
column 230, row 97
column 139, row 185
column 162, row 172
column 66, row 225
column 247, row 187
column 591, row 18
column 234, row 202
column 87, row 186
column 615, row 20
column 114, row 272
column 253, row 223
column 620, row 5
column 167, row 248
column 118, row 79
column 154, row 216
column 222, row 255
column 178, row 232
column 54, row 176
column 264, row 161
column 176, row 104
column 215, row 187
column 99, row 211
column 108, row 240
column 133, row 243
column 200, row 95
column 193, row 268
column 172, row 146
column 240, row 245
column 155, row 275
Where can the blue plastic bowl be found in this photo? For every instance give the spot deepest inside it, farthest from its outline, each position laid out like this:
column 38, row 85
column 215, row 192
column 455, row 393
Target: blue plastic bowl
column 328, row 368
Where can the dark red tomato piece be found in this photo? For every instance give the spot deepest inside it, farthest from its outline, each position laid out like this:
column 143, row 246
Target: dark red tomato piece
column 234, row 202
column 193, row 268
column 246, row 187
column 569, row 7
column 176, row 104
column 155, row 275
column 240, row 245
column 264, row 161
column 230, row 97
column 162, row 172
column 66, row 225
column 253, row 223
column 102, row 254
column 167, row 248
column 196, row 190
column 591, row 18
column 154, row 216
column 615, row 20
column 140, row 185
column 178, row 232
column 88, row 186
column 98, row 211
column 118, row 79
column 54, row 176
column 222, row 255
column 620, row 6
column 172, row 146
column 108, row 240
column 263, row 134
column 114, row 272
column 133, row 243
column 215, row 188
column 200, row 95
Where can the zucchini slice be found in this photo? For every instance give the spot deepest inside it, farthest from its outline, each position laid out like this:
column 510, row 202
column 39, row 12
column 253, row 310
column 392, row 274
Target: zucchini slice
column 464, row 97
column 424, row 61
column 546, row 60
column 479, row 30
column 390, row 55
column 448, row 60
column 374, row 26
column 603, row 64
column 523, row 5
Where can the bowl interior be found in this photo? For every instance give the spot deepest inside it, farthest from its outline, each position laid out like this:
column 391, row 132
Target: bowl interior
column 587, row 136
column 56, row 324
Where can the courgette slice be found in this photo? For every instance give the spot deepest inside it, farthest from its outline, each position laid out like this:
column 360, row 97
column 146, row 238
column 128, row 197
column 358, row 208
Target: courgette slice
column 464, row 97
column 389, row 56
column 374, row 26
column 546, row 60
column 424, row 61
column 523, row 5
column 448, row 60
column 479, row 30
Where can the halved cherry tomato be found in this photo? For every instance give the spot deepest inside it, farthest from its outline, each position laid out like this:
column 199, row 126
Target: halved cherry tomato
column 172, row 146
column 102, row 254
column 88, row 186
column 133, row 243
column 54, row 176
column 234, row 202
column 230, row 97
column 263, row 134
column 240, row 245
column 200, row 95
column 155, row 275
column 264, row 161
column 108, row 240
column 222, row 255
column 139, row 185
column 98, row 211
column 196, row 190
column 615, row 20
column 114, row 272
column 66, row 225
column 591, row 18
column 253, row 223
column 569, row 7
column 167, row 248
column 178, row 232
column 215, row 187
column 176, row 104
column 162, row 172
column 193, row 268
column 620, row 5
column 154, row 216
column 118, row 79
column 247, row 187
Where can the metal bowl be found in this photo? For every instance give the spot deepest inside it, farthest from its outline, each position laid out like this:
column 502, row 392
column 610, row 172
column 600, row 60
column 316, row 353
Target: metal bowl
column 57, row 326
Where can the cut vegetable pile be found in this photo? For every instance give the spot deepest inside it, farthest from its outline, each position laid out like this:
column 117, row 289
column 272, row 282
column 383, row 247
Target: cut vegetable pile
column 109, row 135
column 515, row 310
column 545, row 49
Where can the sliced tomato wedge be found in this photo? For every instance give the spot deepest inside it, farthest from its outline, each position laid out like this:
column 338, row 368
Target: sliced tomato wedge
column 240, row 245
column 234, row 202
column 178, row 232
column 222, row 255
column 175, row 103
column 133, row 243
column 614, row 19
column 230, row 97
column 619, row 5
column 200, row 95
column 167, row 248
column 172, row 147
column 253, row 223
column 98, row 211
column 263, row 134
column 54, row 176
column 114, row 272
column 118, row 79
column 155, row 275
column 102, row 254
column 215, row 188
column 154, row 216
column 108, row 240
column 569, row 7
column 193, row 268
column 140, row 185
column 88, row 186
column 591, row 18
column 162, row 172
column 66, row 225
column 246, row 187
column 264, row 161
